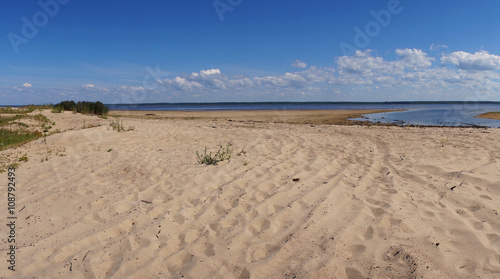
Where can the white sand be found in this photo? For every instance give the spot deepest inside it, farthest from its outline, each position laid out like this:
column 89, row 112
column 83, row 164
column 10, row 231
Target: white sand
column 371, row 202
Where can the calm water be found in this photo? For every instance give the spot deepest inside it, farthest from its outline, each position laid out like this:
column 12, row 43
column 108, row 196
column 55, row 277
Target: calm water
column 418, row 113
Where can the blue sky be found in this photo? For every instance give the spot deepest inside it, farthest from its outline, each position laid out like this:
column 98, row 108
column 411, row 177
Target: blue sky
column 241, row 50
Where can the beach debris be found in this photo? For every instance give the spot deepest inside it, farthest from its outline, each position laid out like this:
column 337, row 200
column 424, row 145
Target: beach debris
column 70, row 264
column 295, row 179
column 86, row 255
column 145, row 201
column 150, row 114
column 453, row 188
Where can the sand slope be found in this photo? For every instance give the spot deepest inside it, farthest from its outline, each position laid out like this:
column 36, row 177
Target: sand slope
column 371, row 202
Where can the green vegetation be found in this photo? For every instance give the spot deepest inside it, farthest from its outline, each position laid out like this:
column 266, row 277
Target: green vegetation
column 24, row 109
column 13, row 138
column 14, row 133
column 219, row 156
column 31, row 108
column 57, row 109
column 24, row 158
column 9, row 110
column 97, row 108
column 117, row 126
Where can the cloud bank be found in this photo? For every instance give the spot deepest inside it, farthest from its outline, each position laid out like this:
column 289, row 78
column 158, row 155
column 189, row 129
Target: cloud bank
column 411, row 74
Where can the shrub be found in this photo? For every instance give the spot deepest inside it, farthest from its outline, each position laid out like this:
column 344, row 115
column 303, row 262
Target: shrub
column 219, row 156
column 82, row 107
column 66, row 105
column 57, row 109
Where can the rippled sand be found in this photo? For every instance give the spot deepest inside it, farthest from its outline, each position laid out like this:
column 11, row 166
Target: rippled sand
column 377, row 202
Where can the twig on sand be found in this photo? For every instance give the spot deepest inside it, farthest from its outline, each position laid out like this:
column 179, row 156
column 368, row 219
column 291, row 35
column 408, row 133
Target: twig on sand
column 86, row 255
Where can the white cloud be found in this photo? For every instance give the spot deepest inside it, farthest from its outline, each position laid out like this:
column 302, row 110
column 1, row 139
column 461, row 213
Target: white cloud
column 434, row 47
column 210, row 72
column 363, row 63
column 364, row 70
column 479, row 61
column 27, row 85
column 414, row 59
column 299, row 64
column 361, row 75
column 88, row 86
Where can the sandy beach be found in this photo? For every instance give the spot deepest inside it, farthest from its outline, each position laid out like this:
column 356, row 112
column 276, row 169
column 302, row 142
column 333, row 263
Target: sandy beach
column 310, row 200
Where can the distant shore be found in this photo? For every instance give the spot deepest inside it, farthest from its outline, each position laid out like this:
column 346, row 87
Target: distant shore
column 336, row 117
column 490, row 115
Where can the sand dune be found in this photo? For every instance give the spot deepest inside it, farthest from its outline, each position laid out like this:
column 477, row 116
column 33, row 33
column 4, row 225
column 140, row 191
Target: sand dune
column 371, row 202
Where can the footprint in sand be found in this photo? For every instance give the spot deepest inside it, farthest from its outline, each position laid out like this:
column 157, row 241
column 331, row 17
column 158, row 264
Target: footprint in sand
column 493, row 238
column 493, row 264
column 486, row 197
column 368, row 233
column 353, row 273
column 178, row 218
column 376, row 211
column 178, row 260
column 357, row 249
column 263, row 251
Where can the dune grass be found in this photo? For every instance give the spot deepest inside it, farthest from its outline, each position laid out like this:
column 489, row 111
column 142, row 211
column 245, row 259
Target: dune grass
column 12, row 138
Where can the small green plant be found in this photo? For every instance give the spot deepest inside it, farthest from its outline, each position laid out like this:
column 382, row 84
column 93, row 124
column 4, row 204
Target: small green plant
column 21, row 124
column 42, row 118
column 13, row 166
column 209, row 159
column 245, row 164
column 24, row 158
column 444, row 142
column 109, row 150
column 118, row 126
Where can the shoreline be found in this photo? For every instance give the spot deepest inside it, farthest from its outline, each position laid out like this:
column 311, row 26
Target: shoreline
column 312, row 117
column 332, row 117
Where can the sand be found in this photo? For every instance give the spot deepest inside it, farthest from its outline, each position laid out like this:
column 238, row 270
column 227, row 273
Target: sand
column 490, row 115
column 370, row 202
column 339, row 117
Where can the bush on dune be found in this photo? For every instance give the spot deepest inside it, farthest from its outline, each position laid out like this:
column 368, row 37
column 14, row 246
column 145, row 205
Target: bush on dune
column 97, row 108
